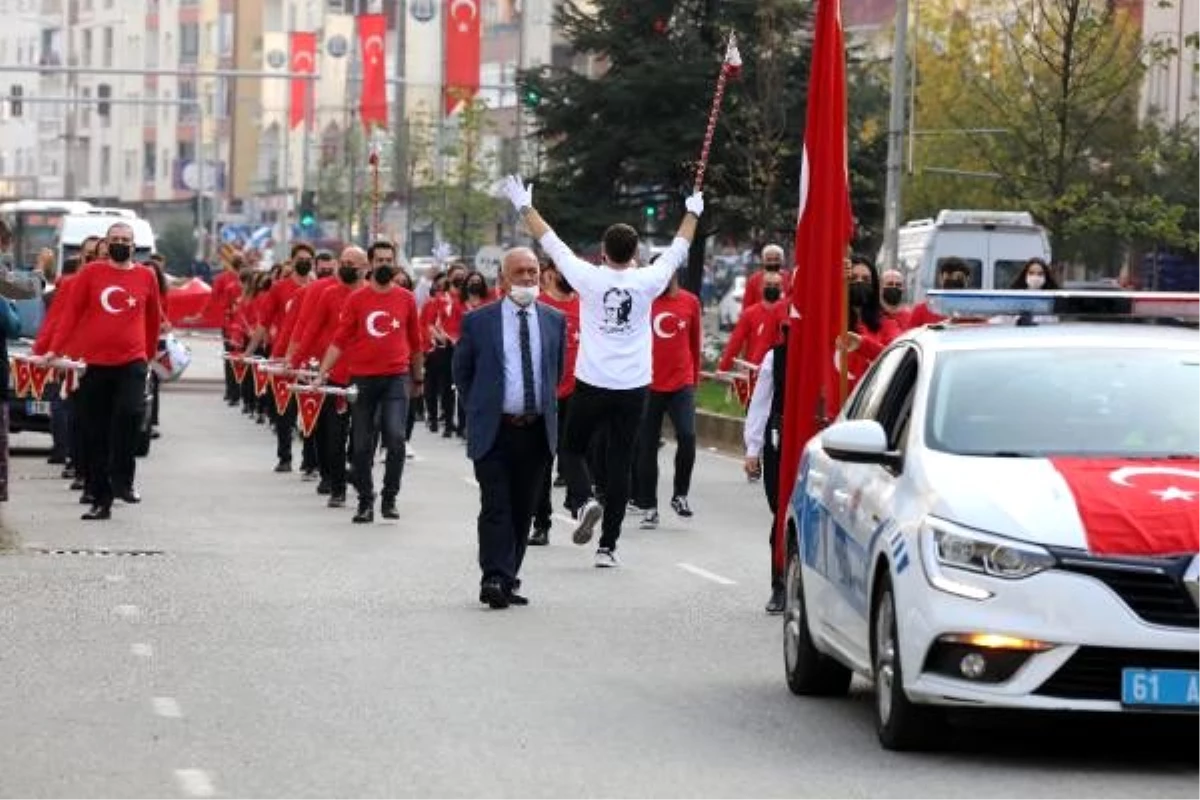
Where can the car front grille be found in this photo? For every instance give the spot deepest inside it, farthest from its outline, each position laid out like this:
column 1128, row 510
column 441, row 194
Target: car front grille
column 1094, row 673
column 1152, row 587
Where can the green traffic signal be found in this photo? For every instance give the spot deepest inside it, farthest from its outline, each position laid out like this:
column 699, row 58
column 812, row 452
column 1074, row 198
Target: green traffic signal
column 651, row 211
column 532, row 98
column 307, row 219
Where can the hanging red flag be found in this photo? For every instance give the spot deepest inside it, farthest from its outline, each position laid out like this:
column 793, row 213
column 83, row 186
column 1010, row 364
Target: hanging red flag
column 282, row 390
column 372, row 34
column 22, row 376
column 823, row 232
column 261, row 379
column 239, row 369
column 303, row 46
column 309, row 402
column 39, row 376
column 463, row 46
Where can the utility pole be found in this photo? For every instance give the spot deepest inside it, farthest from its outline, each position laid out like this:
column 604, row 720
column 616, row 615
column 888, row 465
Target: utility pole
column 895, row 153
column 400, row 149
column 69, row 187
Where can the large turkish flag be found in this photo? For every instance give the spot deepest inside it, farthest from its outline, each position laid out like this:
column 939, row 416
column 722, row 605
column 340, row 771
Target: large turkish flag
column 463, row 47
column 372, row 36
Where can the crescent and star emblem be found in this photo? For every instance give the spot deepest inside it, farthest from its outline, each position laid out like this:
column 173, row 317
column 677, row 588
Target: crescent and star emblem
column 1125, row 475
column 472, row 6
column 373, row 49
column 659, row 329
column 373, row 330
column 302, row 61
column 106, row 300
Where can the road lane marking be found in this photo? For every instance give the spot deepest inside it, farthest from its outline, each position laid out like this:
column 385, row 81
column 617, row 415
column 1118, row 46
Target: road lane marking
column 703, row 573
column 167, row 707
column 128, row 611
column 194, row 782
column 114, row 578
column 141, row 650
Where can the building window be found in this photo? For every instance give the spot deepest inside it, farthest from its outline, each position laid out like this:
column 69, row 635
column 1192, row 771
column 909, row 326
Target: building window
column 87, row 48
column 149, row 162
column 130, row 159
column 105, row 166
column 152, row 49
column 149, row 112
column 107, row 44
column 225, row 47
column 189, row 43
column 187, row 92
column 86, row 108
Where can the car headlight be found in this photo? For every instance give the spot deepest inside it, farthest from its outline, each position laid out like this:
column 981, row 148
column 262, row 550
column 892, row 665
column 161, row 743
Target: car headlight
column 944, row 544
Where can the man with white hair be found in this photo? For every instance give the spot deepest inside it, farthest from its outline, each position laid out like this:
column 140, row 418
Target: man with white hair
column 891, row 298
column 613, row 371
column 772, row 262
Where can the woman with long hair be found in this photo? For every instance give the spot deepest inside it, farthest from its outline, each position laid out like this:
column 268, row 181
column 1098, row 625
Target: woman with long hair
column 869, row 331
column 1036, row 276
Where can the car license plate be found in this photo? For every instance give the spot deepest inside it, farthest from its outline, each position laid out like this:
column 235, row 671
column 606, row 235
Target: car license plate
column 37, row 408
column 1161, row 688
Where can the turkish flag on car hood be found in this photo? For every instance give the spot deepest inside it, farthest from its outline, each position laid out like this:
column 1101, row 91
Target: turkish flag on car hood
column 1135, row 507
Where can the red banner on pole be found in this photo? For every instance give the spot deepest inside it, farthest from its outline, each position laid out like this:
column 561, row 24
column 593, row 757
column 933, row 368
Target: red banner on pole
column 22, row 376
column 372, row 35
column 39, row 376
column 282, row 391
column 309, row 402
column 303, row 46
column 463, row 48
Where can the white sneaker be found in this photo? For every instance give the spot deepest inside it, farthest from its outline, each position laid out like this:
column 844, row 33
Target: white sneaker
column 606, row 559
column 588, row 517
column 650, row 520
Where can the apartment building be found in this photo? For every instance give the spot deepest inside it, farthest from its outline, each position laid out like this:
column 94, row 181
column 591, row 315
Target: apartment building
column 20, row 45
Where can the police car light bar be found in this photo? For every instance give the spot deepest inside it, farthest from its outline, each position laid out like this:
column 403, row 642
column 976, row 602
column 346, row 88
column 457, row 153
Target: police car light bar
column 1065, row 304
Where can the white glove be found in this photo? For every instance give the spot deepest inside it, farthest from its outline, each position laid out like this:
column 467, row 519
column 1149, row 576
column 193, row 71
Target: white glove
column 695, row 204
column 441, row 253
column 520, row 195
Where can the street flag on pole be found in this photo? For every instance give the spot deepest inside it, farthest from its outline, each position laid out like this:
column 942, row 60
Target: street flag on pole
column 823, row 231
column 372, row 35
column 303, row 45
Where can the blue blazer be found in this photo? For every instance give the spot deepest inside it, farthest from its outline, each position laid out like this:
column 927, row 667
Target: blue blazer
column 479, row 373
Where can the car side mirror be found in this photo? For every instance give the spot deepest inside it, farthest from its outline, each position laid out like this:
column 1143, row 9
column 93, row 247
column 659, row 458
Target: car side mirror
column 859, row 441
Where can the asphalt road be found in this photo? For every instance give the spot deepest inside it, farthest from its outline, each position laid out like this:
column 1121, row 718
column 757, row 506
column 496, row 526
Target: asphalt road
column 272, row 649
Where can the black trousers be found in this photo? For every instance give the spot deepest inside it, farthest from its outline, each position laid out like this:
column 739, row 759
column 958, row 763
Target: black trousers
column 680, row 407
column 615, row 414
column 333, row 431
column 113, row 401
column 507, row 498
column 155, row 392
column 545, row 505
column 770, row 482
column 285, row 429
column 439, row 387
column 60, row 429
column 78, row 440
column 232, row 391
column 383, row 401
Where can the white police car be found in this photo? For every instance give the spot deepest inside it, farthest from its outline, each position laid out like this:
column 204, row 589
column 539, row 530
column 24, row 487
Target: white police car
column 1005, row 516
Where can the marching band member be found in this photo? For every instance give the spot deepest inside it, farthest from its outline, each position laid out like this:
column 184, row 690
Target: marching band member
column 772, row 258
column 114, row 311
column 757, row 329
column 226, row 289
column 379, row 336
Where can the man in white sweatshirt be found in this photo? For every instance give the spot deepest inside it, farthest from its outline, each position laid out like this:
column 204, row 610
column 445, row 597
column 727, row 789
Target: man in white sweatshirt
column 613, row 370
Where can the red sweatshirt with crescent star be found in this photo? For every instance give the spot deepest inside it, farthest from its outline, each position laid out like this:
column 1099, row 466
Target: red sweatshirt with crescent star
column 111, row 315
column 379, row 332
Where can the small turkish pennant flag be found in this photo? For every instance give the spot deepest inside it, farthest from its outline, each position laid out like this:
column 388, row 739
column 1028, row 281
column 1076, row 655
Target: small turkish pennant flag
column 309, row 402
column 39, row 376
column 239, row 369
column 68, row 380
column 282, row 390
column 261, row 379
column 742, row 389
column 22, row 376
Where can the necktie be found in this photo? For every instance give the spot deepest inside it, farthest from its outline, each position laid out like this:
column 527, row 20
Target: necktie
column 527, row 364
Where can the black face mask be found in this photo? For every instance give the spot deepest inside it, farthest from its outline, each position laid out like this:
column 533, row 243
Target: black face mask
column 892, row 295
column 457, row 283
column 772, row 293
column 477, row 290
column 383, row 275
column 860, row 294
column 348, row 274
column 119, row 252
column 954, row 283
column 302, row 268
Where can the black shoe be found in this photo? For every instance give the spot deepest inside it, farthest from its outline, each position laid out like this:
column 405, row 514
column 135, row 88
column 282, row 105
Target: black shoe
column 130, row 496
column 68, row 472
column 515, row 599
column 97, row 513
column 309, row 474
column 77, row 485
column 365, row 514
column 559, row 482
column 231, row 401
column 433, row 426
column 775, row 604
column 283, row 466
column 448, row 433
column 86, row 499
column 337, row 501
column 154, row 434
column 388, row 508
column 540, row 537
column 493, row 594
column 56, row 460
column 324, row 487
column 261, row 420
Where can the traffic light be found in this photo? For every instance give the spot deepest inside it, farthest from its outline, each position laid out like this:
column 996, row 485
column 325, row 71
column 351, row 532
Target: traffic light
column 532, row 98
column 16, row 94
column 308, row 209
column 651, row 211
column 103, row 92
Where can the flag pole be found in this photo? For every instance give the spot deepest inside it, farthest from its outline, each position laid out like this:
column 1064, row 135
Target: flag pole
column 373, row 160
column 843, row 350
column 731, row 63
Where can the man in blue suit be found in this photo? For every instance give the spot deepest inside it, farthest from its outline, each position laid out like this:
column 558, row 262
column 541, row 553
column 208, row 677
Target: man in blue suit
column 507, row 365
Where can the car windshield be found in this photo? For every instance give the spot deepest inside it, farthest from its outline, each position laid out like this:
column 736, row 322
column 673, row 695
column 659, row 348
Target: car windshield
column 1132, row 403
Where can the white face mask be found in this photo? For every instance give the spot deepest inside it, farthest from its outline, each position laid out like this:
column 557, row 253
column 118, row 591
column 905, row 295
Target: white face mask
column 1035, row 282
column 523, row 295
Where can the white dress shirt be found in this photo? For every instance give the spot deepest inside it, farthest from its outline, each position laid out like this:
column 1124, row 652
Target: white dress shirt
column 755, row 429
column 514, row 381
column 615, row 337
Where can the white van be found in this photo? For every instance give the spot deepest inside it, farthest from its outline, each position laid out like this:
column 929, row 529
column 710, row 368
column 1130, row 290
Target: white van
column 96, row 222
column 994, row 244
